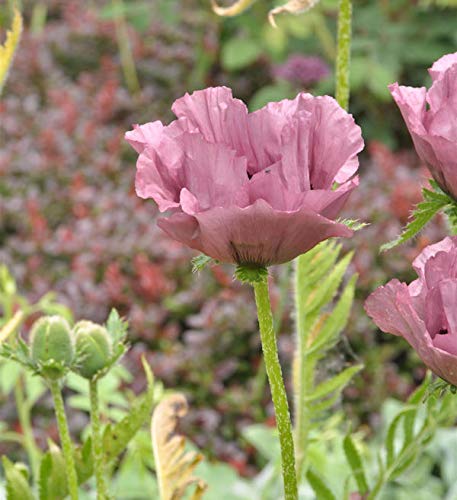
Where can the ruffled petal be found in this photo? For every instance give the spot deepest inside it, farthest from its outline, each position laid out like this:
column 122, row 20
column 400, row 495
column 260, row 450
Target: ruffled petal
column 158, row 176
column 382, row 307
column 336, row 141
column 212, row 172
column 256, row 235
column 442, row 64
column 428, row 252
column 440, row 266
column 144, row 135
column 219, row 117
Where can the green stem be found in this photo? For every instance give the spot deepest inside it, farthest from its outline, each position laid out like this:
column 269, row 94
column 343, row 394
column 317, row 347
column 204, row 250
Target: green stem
column 97, row 444
column 125, row 49
column 304, row 369
column 278, row 390
column 344, row 53
column 65, row 440
column 23, row 411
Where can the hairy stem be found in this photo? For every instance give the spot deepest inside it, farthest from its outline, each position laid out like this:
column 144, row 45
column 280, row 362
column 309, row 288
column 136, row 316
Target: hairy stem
column 65, row 440
column 97, row 444
column 278, row 390
column 343, row 57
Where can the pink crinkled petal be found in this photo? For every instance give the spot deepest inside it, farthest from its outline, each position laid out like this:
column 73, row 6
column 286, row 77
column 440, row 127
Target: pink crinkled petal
column 442, row 65
column 440, row 266
column 212, row 172
column 143, row 135
column 218, row 116
column 428, row 252
column 255, row 235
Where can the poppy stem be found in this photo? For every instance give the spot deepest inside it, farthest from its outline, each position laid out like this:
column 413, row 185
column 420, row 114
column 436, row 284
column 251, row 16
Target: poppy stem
column 343, row 57
column 277, row 387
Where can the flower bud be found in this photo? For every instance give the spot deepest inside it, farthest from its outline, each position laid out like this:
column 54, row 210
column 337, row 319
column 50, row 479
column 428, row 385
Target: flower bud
column 93, row 348
column 52, row 347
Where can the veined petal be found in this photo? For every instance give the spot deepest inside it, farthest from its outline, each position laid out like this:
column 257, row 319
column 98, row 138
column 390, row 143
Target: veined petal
column 256, row 235
column 218, row 116
column 442, row 64
column 144, row 135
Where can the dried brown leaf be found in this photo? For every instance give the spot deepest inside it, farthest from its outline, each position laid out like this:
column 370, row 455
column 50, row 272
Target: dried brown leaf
column 174, row 466
column 293, row 7
column 237, row 8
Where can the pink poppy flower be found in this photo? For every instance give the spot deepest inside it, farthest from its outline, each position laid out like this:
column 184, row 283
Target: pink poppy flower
column 425, row 311
column 431, row 118
column 253, row 189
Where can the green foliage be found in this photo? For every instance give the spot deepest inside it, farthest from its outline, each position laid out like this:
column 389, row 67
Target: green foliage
column 434, row 202
column 355, row 461
column 239, row 53
column 52, row 483
column 200, row 262
column 17, row 484
column 317, row 483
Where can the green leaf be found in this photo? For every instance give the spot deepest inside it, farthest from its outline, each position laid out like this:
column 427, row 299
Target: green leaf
column 392, row 431
column 337, row 383
column 423, row 213
column 355, row 461
column 322, row 491
column 238, row 53
column 326, row 290
column 328, row 334
column 200, row 262
column 117, row 436
column 117, row 327
column 52, row 483
column 354, row 224
column 17, row 484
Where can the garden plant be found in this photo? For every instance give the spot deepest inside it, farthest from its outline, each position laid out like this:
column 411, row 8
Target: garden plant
column 217, row 342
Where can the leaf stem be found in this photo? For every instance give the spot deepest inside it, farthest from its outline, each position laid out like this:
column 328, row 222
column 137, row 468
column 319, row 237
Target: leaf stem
column 343, row 57
column 97, row 444
column 67, row 445
column 278, row 390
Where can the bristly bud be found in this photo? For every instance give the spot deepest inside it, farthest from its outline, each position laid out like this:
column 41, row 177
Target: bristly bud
column 251, row 275
column 93, row 348
column 52, row 348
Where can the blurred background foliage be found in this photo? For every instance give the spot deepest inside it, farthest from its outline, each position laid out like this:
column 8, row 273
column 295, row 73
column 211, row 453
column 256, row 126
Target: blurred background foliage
column 70, row 221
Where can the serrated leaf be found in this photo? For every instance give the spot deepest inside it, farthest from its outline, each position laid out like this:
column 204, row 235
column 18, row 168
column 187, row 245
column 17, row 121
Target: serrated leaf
column 337, row 383
column 200, row 262
column 17, row 485
column 174, row 466
column 326, row 290
column 354, row 224
column 422, row 214
column 355, row 462
column 117, row 436
column 117, row 326
column 322, row 491
column 335, row 322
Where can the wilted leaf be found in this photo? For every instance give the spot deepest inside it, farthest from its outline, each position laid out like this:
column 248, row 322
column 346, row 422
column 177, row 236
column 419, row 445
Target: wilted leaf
column 174, row 466
column 235, row 9
column 8, row 49
column 11, row 326
column 293, row 7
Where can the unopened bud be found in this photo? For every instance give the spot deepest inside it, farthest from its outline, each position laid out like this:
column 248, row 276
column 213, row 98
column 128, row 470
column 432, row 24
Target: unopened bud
column 52, row 346
column 93, row 348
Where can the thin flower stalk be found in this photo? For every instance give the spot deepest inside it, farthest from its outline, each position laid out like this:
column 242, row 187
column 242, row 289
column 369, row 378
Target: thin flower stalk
column 343, row 58
column 97, row 444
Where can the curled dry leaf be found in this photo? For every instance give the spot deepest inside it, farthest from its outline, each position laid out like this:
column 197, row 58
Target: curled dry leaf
column 174, row 466
column 237, row 8
column 8, row 49
column 12, row 325
column 293, row 7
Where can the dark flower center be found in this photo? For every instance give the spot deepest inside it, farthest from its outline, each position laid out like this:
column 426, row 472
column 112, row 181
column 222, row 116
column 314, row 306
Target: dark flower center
column 443, row 331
